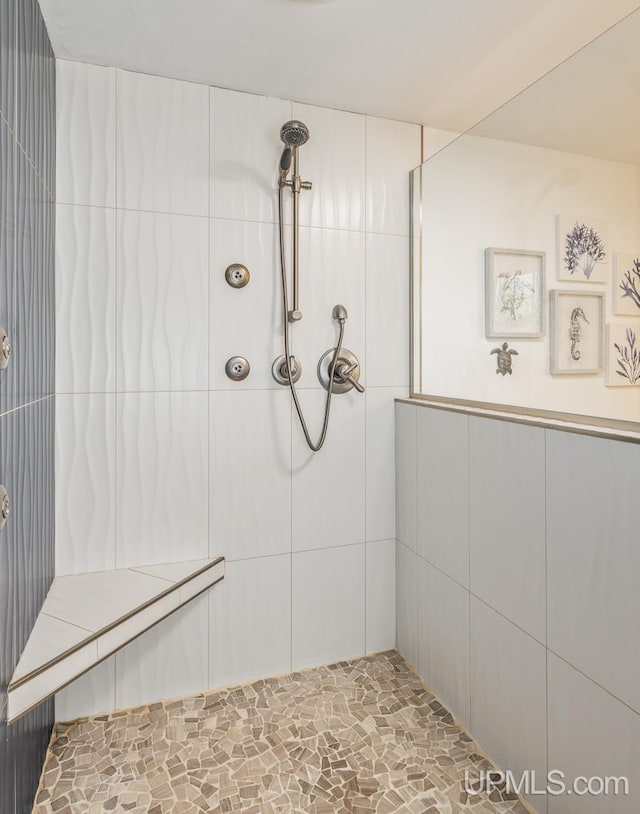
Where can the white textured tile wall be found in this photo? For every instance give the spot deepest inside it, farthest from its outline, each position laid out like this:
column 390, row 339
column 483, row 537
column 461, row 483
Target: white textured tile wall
column 167, row 459
column 537, row 651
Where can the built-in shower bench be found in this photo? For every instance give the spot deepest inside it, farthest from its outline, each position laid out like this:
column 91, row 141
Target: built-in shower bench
column 87, row 617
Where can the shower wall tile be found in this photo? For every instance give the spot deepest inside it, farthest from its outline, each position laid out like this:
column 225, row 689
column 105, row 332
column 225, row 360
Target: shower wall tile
column 602, row 743
column 163, row 144
column 250, row 469
column 85, row 299
column 92, row 693
column 334, row 160
column 594, row 560
column 145, row 674
column 381, row 596
column 35, row 89
column 393, row 150
column 380, row 462
column 8, row 60
column 245, row 153
column 86, row 126
column 250, row 619
column 328, row 488
column 182, row 181
column 30, row 486
column 85, row 473
column 508, row 693
column 8, row 158
column 162, row 302
column 245, row 321
column 161, row 478
column 30, row 737
column 443, row 491
column 30, row 353
column 328, row 605
column 443, row 639
column 387, row 311
column 334, row 263
column 507, row 511
column 406, row 475
column 407, row 603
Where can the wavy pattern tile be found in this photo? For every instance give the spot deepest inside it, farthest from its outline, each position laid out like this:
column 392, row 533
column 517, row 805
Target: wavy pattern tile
column 381, row 596
column 320, row 517
column 259, row 305
column 85, row 299
column 380, row 456
column 334, row 159
column 86, row 127
column 245, row 151
column 250, row 465
column 387, row 310
column 162, row 302
column 250, row 621
column 161, row 477
column 145, row 674
column 163, row 144
column 393, row 150
column 92, row 693
column 85, row 473
column 323, row 630
column 333, row 264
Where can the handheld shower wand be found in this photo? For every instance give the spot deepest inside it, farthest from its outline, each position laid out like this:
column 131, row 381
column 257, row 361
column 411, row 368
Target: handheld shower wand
column 286, row 369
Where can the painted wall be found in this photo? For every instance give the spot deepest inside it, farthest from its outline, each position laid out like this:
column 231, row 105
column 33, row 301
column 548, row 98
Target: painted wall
column 517, row 564
column 161, row 185
column 27, row 213
column 483, row 192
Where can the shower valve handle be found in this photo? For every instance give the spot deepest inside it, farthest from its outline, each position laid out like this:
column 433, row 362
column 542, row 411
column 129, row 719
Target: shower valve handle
column 343, row 373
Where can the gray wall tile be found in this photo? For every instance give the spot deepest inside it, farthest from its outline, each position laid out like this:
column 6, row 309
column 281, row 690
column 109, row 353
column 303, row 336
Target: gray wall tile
column 8, row 153
column 7, row 59
column 27, row 226
column 507, row 510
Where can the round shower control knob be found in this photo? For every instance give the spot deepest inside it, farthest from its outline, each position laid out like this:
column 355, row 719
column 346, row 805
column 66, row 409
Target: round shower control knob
column 5, row 349
column 237, row 368
column 5, row 506
column 237, row 275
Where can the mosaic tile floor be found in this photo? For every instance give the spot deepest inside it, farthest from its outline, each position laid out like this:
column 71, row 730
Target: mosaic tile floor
column 360, row 736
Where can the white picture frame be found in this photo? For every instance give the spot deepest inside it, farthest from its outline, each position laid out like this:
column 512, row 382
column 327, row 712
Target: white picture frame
column 625, row 300
column 582, row 249
column 514, row 294
column 623, row 354
column 576, row 319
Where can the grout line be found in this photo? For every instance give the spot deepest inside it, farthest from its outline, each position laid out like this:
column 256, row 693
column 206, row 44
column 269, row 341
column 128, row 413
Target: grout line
column 231, row 220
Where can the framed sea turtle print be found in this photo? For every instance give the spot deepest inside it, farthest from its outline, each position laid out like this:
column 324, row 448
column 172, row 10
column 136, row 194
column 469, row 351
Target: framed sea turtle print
column 577, row 332
column 514, row 293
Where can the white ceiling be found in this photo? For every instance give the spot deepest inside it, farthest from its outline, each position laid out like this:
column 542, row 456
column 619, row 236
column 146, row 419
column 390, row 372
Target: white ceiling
column 588, row 105
column 445, row 63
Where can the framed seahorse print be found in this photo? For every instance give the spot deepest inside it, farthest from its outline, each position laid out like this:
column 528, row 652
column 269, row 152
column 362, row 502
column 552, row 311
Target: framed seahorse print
column 576, row 321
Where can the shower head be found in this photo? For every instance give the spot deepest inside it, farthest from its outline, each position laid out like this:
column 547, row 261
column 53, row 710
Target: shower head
column 294, row 133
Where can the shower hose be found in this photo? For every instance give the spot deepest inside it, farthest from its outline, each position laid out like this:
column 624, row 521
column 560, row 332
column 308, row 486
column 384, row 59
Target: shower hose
column 288, row 357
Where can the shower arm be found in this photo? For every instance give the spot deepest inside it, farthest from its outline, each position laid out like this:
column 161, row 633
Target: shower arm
column 296, row 185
